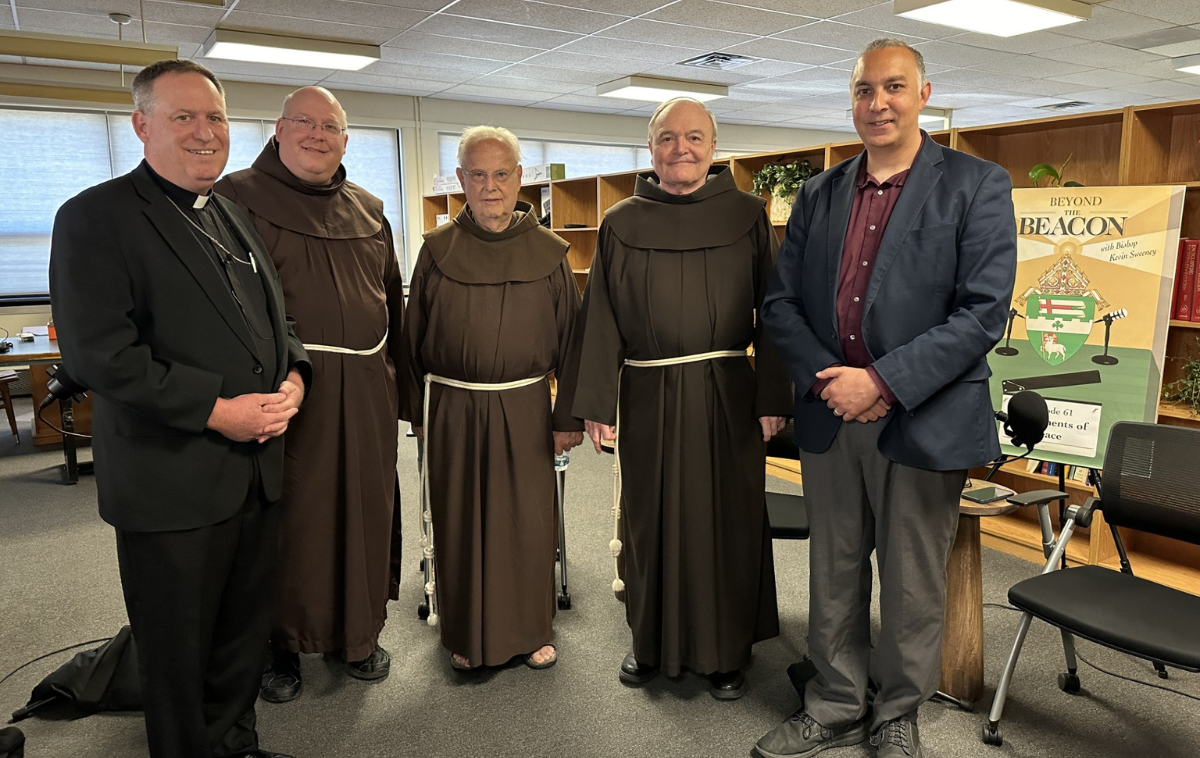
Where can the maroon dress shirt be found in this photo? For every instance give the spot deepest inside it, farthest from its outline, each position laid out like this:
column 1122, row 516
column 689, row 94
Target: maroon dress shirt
column 873, row 205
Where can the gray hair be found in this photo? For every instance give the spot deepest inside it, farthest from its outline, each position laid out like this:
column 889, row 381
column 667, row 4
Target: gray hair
column 662, row 108
column 883, row 44
column 143, row 83
column 474, row 135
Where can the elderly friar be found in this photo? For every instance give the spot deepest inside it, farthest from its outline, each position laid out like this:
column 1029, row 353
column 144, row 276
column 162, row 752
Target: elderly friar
column 667, row 319
column 333, row 248
column 491, row 312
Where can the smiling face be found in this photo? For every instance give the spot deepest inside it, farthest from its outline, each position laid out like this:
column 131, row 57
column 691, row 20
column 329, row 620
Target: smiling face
column 682, row 147
column 312, row 154
column 186, row 134
column 887, row 94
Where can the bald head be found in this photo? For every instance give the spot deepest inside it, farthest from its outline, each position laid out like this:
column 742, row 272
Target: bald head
column 311, row 135
column 685, row 103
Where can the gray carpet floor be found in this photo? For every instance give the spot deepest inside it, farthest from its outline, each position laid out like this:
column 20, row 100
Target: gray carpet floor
column 59, row 586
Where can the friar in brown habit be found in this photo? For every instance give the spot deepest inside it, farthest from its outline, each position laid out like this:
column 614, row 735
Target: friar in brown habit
column 491, row 311
column 336, row 258
column 680, row 269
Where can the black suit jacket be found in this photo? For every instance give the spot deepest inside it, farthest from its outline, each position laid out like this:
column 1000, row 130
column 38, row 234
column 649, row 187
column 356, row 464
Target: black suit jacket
column 937, row 302
column 145, row 320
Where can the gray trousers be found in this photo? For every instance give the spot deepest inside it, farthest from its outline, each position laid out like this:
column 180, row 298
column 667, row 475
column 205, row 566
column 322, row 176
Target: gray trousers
column 859, row 502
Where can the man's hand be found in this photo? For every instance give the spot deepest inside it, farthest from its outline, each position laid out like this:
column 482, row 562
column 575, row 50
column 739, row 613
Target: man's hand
column 771, row 425
column 851, row 393
column 874, row 413
column 245, row 417
column 292, row 388
column 598, row 431
column 564, row 441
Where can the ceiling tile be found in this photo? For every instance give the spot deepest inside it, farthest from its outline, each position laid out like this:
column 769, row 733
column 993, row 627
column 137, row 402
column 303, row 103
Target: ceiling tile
column 1091, row 53
column 628, row 50
column 490, row 95
column 620, row 7
column 535, row 14
column 548, row 86
column 996, row 115
column 222, row 67
column 709, row 14
column 609, row 104
column 528, row 71
column 437, row 43
column 555, row 59
column 1101, row 78
column 834, row 34
column 1034, row 42
column 419, row 5
column 298, row 27
column 344, row 12
column 400, row 71
column 641, row 30
column 952, row 54
column 882, row 18
column 437, row 60
column 792, row 52
column 1029, row 66
column 1109, row 98
column 579, row 108
column 1108, row 23
column 1159, row 69
column 1174, row 11
column 493, row 31
column 1175, row 89
column 1042, row 87
column 55, row 22
column 693, row 74
column 365, row 78
column 814, row 8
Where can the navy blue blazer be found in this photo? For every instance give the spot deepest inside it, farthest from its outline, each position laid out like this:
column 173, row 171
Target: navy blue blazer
column 937, row 302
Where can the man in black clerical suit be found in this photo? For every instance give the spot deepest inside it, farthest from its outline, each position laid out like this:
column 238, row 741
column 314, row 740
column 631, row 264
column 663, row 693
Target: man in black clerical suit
column 169, row 310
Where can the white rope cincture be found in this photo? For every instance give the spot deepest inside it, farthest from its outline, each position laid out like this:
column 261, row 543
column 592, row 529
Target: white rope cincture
column 427, row 551
column 346, row 350
column 615, row 546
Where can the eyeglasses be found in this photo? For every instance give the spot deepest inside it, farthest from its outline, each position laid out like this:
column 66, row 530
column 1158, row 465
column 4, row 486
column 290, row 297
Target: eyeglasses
column 480, row 177
column 308, row 125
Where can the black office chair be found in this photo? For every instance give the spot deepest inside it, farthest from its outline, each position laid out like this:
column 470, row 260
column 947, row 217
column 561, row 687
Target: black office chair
column 787, row 514
column 1150, row 483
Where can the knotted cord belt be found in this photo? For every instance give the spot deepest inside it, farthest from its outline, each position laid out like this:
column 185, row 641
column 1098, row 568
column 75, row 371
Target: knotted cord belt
column 615, row 546
column 346, row 350
column 426, row 510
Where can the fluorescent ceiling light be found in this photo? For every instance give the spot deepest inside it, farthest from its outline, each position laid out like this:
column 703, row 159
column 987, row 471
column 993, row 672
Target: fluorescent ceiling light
column 657, row 90
column 89, row 49
column 1189, row 64
column 1000, row 18
column 288, row 51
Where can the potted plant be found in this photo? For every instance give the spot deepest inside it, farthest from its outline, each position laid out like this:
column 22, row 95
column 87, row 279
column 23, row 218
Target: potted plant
column 1186, row 390
column 782, row 181
column 1046, row 175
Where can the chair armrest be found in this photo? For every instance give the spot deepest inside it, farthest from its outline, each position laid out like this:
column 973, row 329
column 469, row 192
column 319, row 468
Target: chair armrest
column 1037, row 497
column 1083, row 514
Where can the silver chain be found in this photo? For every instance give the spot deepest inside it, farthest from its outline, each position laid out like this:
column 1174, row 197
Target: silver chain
column 253, row 266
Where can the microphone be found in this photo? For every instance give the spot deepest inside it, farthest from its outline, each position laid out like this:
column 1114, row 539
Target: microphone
column 1026, row 420
column 60, row 386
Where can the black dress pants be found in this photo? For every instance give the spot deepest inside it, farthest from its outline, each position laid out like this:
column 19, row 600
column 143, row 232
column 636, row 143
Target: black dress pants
column 199, row 603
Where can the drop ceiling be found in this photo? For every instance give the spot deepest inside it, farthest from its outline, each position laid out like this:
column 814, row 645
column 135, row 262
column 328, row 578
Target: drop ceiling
column 545, row 54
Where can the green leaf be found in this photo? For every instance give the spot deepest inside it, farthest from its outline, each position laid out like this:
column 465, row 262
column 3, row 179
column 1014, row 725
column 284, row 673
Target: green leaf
column 1072, row 184
column 1043, row 170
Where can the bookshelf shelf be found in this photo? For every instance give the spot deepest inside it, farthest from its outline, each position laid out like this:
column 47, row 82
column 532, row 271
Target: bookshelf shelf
column 1185, row 324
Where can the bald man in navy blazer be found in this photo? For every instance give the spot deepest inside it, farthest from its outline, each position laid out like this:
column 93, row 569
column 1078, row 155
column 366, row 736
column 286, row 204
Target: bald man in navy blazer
column 892, row 284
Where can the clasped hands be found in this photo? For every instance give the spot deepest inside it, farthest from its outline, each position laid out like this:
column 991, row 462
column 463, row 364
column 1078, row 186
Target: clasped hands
column 258, row 416
column 853, row 394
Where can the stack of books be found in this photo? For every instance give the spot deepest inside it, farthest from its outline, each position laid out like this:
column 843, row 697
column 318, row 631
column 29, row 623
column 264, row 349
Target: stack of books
column 1185, row 304
column 1080, row 474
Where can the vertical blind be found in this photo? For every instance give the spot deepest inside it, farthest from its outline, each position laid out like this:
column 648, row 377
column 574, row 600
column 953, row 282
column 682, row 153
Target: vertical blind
column 48, row 157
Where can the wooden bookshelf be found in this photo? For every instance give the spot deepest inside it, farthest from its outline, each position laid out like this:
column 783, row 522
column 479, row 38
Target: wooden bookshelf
column 1155, row 144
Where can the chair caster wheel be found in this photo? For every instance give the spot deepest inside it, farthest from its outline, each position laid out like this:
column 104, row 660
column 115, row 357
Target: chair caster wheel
column 991, row 735
column 1068, row 683
column 423, row 611
column 564, row 601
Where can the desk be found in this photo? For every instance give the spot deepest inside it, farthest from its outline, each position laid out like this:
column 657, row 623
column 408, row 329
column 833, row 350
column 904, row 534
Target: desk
column 962, row 630
column 41, row 352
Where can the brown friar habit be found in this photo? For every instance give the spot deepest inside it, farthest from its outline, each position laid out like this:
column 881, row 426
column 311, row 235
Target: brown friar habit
column 678, row 275
column 492, row 307
column 342, row 283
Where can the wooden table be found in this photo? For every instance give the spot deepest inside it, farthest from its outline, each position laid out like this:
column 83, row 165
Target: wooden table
column 38, row 354
column 962, row 631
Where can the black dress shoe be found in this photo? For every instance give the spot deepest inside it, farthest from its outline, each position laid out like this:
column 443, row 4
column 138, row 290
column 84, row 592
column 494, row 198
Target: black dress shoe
column 266, row 754
column 281, row 683
column 634, row 673
column 727, row 685
column 377, row 665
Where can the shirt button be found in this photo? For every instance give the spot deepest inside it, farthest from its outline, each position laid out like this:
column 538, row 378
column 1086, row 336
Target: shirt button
column 864, row 263
column 856, row 299
column 872, row 227
column 880, row 192
column 257, row 369
column 851, row 336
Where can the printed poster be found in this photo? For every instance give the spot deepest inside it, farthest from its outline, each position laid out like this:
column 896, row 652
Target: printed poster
column 1088, row 321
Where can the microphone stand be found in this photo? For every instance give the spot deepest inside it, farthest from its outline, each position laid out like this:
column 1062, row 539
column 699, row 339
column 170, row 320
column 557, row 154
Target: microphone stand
column 1109, row 318
column 1005, row 349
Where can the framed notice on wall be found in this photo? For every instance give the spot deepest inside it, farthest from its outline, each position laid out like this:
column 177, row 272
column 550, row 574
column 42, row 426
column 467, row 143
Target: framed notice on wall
column 1088, row 323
